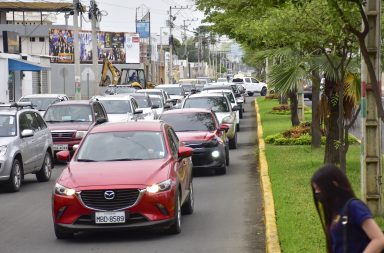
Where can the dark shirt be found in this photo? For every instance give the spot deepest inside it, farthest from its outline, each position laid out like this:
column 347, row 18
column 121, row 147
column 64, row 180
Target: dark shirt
column 357, row 240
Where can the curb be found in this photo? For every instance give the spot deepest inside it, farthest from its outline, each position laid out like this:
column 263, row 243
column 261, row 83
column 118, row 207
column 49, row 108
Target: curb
column 271, row 236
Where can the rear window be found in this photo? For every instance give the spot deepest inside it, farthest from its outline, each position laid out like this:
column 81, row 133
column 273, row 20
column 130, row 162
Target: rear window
column 190, row 121
column 116, row 106
column 216, row 104
column 237, row 80
column 69, row 113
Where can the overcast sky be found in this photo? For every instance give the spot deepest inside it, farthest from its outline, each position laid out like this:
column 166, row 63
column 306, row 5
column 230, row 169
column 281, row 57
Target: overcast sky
column 121, row 15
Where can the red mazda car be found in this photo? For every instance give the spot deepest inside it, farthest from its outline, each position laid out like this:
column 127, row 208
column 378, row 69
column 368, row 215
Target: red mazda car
column 198, row 128
column 124, row 175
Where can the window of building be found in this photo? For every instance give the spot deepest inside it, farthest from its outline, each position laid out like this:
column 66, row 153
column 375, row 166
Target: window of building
column 41, row 39
column 32, row 39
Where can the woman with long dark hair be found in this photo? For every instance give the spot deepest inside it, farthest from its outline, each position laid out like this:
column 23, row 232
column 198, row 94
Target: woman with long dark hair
column 347, row 222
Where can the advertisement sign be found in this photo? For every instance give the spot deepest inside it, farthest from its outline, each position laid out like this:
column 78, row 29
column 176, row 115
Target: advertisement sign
column 142, row 29
column 111, row 45
column 11, row 42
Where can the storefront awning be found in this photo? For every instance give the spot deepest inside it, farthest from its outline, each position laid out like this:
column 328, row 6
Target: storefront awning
column 21, row 65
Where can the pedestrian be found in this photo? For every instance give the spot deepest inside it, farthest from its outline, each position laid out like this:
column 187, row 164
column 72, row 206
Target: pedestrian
column 347, row 222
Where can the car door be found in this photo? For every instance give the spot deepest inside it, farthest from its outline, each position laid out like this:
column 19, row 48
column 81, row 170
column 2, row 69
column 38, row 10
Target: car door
column 45, row 139
column 257, row 84
column 27, row 144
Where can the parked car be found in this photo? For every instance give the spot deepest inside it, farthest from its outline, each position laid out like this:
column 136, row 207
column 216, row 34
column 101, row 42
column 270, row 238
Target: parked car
column 145, row 104
column 119, row 108
column 120, row 89
column 175, row 92
column 252, row 85
column 69, row 121
column 25, row 145
column 220, row 104
column 124, row 176
column 41, row 101
column 200, row 130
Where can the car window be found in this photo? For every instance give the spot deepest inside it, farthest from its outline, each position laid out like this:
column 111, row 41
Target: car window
column 173, row 142
column 182, row 122
column 114, row 107
column 157, row 101
column 120, row 146
column 28, row 121
column 254, row 80
column 69, row 113
column 41, row 104
column 216, row 104
column 230, row 97
column 40, row 120
column 247, row 80
column 143, row 101
column 135, row 105
column 33, row 121
column 98, row 111
column 7, row 125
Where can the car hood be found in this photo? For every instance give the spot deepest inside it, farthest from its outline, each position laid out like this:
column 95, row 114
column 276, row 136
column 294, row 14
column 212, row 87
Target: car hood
column 194, row 135
column 82, row 175
column 221, row 115
column 119, row 117
column 79, row 126
column 7, row 140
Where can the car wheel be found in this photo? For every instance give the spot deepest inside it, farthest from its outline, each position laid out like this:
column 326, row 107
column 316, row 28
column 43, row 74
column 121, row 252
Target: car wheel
column 61, row 235
column 233, row 142
column 188, row 206
column 241, row 112
column 227, row 156
column 14, row 182
column 175, row 228
column 44, row 174
column 222, row 170
column 263, row 91
column 250, row 94
column 237, row 127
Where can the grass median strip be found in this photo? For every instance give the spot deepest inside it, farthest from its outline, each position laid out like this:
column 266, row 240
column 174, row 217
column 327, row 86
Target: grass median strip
column 290, row 170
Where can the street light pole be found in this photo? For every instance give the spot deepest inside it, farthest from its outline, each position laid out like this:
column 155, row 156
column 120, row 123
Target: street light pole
column 76, row 46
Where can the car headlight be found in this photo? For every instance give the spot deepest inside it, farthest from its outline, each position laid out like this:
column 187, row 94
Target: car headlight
column 64, row 191
column 3, row 150
column 80, row 134
column 160, row 187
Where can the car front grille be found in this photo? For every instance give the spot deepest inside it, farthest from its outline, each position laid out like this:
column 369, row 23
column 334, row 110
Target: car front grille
column 63, row 135
column 201, row 158
column 97, row 199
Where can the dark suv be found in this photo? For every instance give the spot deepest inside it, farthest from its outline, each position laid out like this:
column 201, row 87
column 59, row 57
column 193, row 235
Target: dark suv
column 69, row 121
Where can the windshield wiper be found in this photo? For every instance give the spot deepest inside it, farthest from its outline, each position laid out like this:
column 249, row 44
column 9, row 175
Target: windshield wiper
column 86, row 160
column 123, row 159
column 53, row 121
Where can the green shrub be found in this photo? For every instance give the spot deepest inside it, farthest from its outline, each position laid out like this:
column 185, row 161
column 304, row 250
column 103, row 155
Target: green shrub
column 304, row 139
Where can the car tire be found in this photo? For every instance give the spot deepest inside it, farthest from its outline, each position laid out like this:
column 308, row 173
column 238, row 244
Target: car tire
column 44, row 174
column 189, row 205
column 226, row 155
column 241, row 112
column 238, row 127
column 263, row 91
column 175, row 228
column 250, row 94
column 233, row 142
column 14, row 182
column 61, row 235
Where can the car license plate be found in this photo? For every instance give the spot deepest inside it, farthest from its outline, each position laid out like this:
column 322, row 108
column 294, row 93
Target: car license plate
column 58, row 147
column 109, row 217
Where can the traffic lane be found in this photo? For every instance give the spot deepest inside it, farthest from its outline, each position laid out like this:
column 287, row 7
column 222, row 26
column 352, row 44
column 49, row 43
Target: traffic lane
column 228, row 214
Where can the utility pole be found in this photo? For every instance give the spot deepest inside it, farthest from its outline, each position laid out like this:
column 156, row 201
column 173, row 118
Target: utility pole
column 94, row 13
column 76, row 45
column 371, row 171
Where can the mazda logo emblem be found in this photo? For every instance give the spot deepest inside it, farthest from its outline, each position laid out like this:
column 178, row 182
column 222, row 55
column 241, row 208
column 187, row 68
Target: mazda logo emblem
column 109, row 195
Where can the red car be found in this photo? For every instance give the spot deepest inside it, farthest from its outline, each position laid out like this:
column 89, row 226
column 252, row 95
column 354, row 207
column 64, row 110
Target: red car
column 198, row 128
column 124, row 175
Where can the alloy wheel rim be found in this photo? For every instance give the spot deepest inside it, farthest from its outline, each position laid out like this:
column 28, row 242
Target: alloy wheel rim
column 191, row 195
column 17, row 176
column 47, row 166
column 178, row 213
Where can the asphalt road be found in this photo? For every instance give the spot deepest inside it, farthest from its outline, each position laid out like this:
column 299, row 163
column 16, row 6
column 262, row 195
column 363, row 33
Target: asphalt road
column 228, row 214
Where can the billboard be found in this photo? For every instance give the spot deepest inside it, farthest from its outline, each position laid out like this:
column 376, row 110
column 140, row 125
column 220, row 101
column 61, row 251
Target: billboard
column 11, row 42
column 110, row 45
column 142, row 28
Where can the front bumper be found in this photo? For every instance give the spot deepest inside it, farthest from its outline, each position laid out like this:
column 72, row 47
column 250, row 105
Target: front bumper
column 5, row 167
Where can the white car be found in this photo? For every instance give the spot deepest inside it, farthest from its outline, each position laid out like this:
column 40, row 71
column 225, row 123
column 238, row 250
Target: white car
column 158, row 104
column 164, row 96
column 145, row 104
column 252, row 85
column 119, row 108
column 232, row 99
column 175, row 91
column 41, row 102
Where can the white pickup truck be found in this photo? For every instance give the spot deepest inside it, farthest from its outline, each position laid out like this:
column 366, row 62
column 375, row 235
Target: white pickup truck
column 251, row 85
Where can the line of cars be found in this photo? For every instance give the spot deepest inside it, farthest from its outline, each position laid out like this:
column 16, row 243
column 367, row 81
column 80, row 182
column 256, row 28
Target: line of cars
column 134, row 171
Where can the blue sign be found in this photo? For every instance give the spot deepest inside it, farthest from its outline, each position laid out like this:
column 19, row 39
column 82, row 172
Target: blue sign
column 142, row 28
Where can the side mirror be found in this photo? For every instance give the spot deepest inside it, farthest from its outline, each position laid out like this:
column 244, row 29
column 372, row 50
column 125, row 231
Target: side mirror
column 75, row 147
column 138, row 111
column 27, row 133
column 238, row 95
column 235, row 108
column 101, row 121
column 63, row 155
column 185, row 152
column 155, row 106
column 224, row 127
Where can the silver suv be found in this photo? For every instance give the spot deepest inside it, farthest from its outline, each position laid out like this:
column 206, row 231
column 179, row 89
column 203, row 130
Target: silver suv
column 25, row 145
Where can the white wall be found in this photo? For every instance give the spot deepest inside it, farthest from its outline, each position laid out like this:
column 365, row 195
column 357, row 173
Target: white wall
column 4, row 80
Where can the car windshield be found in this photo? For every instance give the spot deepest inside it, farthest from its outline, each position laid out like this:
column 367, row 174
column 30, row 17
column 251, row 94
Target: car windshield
column 216, row 104
column 182, row 122
column 143, row 101
column 116, row 106
column 69, row 113
column 120, row 90
column 172, row 90
column 122, row 146
column 157, row 101
column 188, row 87
column 7, row 126
column 40, row 104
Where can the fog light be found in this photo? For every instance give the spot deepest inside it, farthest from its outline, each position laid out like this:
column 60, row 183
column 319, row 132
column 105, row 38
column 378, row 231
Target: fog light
column 60, row 212
column 215, row 154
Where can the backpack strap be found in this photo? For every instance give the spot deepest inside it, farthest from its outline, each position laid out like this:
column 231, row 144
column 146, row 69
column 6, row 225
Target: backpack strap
column 344, row 223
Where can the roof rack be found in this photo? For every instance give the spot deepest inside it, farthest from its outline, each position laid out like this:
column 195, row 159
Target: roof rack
column 18, row 105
